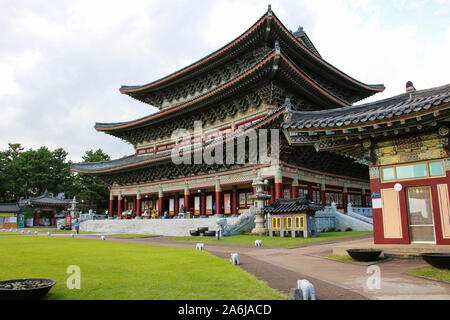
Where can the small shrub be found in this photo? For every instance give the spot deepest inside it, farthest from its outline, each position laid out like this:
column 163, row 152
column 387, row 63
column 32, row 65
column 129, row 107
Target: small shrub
column 348, row 229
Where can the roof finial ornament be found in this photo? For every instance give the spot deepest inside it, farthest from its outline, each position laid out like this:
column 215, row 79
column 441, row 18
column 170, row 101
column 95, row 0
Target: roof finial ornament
column 287, row 110
column 410, row 87
column 269, row 9
column 300, row 29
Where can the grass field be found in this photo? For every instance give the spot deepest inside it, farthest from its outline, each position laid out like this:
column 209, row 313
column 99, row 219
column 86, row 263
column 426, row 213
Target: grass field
column 433, row 273
column 273, row 241
column 115, row 270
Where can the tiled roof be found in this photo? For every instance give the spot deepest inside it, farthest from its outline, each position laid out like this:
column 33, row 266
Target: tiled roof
column 9, row 207
column 292, row 205
column 399, row 105
column 134, row 161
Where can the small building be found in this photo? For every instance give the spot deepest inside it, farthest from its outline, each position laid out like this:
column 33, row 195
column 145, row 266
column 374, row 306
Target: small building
column 292, row 217
column 9, row 215
column 46, row 206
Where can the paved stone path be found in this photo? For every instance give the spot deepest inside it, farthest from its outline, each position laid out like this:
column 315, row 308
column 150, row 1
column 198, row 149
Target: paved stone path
column 281, row 267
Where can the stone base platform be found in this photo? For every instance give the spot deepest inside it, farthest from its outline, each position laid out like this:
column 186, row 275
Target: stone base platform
column 163, row 227
column 402, row 251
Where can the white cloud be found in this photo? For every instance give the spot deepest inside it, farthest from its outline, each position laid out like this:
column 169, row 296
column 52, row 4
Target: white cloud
column 62, row 63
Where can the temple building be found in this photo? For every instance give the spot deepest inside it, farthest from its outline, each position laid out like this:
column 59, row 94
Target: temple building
column 327, row 149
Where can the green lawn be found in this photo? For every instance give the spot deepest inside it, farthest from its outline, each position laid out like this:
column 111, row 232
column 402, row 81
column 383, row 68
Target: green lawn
column 273, row 241
column 434, row 273
column 117, row 270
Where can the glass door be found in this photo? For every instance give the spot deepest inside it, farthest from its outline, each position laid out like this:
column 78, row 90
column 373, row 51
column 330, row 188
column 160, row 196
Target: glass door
column 420, row 214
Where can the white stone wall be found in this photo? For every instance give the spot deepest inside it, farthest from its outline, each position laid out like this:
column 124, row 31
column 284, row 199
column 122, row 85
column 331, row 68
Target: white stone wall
column 164, row 227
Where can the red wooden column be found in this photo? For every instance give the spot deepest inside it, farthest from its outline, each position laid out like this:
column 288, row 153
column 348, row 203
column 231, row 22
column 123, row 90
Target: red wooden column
column 119, row 205
column 138, row 203
column 203, row 203
column 345, row 197
column 160, row 203
column 38, row 217
column 219, row 198
column 272, row 193
column 310, row 192
column 322, row 194
column 54, row 218
column 278, row 185
column 187, row 199
column 176, row 204
column 294, row 187
column 111, row 205
column 234, row 200
column 363, row 197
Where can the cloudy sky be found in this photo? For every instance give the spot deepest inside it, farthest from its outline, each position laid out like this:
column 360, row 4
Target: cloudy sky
column 62, row 62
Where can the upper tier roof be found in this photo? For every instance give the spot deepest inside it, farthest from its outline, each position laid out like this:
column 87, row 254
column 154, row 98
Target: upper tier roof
column 266, row 31
column 276, row 65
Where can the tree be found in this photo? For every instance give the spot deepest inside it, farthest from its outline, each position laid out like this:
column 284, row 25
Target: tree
column 91, row 188
column 29, row 173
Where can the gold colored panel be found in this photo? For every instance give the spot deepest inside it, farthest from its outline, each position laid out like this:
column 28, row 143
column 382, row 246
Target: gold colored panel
column 445, row 209
column 392, row 224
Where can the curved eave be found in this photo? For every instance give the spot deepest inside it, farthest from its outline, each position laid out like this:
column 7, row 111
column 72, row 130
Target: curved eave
column 266, row 21
column 136, row 162
column 230, row 85
column 301, row 81
column 192, row 68
column 311, row 88
column 400, row 107
column 313, row 58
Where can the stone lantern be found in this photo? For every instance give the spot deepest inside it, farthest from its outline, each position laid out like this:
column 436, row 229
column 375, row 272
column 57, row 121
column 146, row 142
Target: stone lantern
column 259, row 199
column 73, row 208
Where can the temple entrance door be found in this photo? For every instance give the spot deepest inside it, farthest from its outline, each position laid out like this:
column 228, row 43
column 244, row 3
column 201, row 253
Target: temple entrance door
column 420, row 214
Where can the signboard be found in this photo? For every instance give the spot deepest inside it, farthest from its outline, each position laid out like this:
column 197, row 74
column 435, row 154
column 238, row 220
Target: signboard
column 376, row 203
column 21, row 222
column 68, row 220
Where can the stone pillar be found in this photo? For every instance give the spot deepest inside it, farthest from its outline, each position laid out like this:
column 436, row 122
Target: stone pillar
column 279, row 185
column 219, row 198
column 202, row 203
column 294, row 187
column 176, row 204
column 234, row 201
column 161, row 203
column 138, row 203
column 119, row 205
column 187, row 199
column 111, row 205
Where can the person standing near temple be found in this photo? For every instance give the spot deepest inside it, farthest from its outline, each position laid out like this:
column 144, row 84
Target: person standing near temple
column 77, row 226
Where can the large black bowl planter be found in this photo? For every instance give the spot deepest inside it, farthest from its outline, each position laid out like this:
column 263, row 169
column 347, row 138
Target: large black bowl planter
column 211, row 233
column 202, row 229
column 364, row 254
column 194, row 233
column 437, row 260
column 25, row 289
